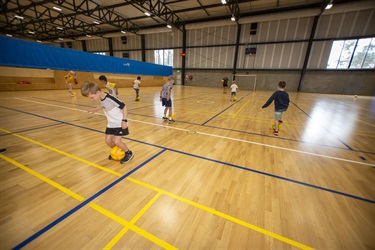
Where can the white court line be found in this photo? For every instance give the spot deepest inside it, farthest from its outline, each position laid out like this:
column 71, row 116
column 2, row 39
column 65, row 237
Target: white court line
column 218, row 136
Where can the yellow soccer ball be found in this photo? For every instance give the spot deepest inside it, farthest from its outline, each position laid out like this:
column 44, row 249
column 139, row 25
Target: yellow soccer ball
column 117, row 153
column 235, row 99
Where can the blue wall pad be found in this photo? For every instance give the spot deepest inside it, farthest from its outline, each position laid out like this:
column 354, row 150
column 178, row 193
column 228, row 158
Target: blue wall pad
column 19, row 53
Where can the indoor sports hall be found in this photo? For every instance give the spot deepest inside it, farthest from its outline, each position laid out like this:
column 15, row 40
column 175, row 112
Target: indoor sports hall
column 218, row 177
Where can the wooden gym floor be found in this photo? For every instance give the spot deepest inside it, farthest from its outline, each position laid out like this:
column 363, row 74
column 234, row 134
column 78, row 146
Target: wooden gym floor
column 216, row 179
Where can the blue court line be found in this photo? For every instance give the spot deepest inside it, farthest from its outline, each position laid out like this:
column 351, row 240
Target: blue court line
column 84, row 203
column 233, row 130
column 346, row 145
column 216, row 161
column 220, row 112
column 31, row 129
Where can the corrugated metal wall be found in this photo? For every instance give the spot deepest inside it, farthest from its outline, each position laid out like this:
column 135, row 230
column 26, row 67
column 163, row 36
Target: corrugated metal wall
column 279, row 44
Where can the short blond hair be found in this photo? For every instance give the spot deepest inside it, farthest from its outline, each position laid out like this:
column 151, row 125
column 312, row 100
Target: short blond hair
column 89, row 88
column 171, row 77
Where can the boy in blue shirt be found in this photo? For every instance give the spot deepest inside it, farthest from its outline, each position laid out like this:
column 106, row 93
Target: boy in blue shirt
column 281, row 99
column 166, row 100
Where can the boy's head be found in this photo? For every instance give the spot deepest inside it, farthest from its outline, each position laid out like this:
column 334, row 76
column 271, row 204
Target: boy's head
column 171, row 79
column 91, row 90
column 103, row 79
column 138, row 78
column 282, row 84
column 234, row 82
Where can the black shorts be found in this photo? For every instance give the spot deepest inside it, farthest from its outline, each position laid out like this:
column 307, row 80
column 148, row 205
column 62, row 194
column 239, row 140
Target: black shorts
column 225, row 85
column 167, row 104
column 117, row 131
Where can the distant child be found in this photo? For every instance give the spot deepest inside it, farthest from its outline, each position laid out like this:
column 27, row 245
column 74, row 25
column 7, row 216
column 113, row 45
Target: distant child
column 136, row 87
column 281, row 99
column 112, row 89
column 70, row 79
column 225, row 84
column 165, row 98
column 116, row 113
column 233, row 90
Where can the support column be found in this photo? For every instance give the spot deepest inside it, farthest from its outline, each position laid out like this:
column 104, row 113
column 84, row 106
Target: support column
column 308, row 51
column 143, row 46
column 110, row 46
column 236, row 49
column 183, row 73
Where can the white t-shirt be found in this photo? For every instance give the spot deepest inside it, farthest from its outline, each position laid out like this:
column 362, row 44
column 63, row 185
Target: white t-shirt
column 136, row 84
column 113, row 111
column 233, row 87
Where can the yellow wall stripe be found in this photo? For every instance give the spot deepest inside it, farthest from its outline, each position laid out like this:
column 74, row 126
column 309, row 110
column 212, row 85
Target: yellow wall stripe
column 64, row 153
column 225, row 216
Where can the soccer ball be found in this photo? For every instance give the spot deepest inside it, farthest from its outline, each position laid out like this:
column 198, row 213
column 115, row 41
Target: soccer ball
column 117, row 153
column 138, row 99
column 235, row 99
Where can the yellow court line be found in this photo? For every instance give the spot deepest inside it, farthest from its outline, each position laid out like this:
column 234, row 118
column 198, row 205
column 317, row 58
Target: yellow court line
column 225, row 216
column 43, row 178
column 136, row 217
column 211, row 210
column 99, row 208
column 133, row 227
column 240, row 109
column 64, row 153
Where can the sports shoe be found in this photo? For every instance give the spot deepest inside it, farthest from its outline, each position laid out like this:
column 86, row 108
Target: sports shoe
column 171, row 121
column 110, row 157
column 165, row 118
column 280, row 121
column 3, row 150
column 276, row 132
column 129, row 155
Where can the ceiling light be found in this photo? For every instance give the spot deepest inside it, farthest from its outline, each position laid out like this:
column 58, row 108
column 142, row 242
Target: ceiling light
column 96, row 22
column 61, row 38
column 123, row 31
column 38, row 41
column 223, row 2
column 329, row 6
column 9, row 35
column 147, row 14
column 169, row 26
column 19, row 17
column 56, row 8
column 88, row 35
column 59, row 28
column 233, row 18
column 31, row 32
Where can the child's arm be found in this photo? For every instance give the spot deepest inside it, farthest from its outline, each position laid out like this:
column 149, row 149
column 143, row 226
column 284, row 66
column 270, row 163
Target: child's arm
column 124, row 124
column 116, row 91
column 169, row 94
column 95, row 109
column 270, row 100
column 161, row 93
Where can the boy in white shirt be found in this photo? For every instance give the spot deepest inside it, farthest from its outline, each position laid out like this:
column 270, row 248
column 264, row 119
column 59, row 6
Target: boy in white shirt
column 233, row 90
column 136, row 87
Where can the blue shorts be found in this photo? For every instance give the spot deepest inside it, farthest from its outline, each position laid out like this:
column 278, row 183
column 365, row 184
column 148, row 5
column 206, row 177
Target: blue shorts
column 167, row 104
column 136, row 91
column 234, row 93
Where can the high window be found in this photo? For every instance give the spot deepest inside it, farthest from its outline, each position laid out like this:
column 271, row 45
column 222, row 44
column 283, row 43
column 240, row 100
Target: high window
column 352, row 54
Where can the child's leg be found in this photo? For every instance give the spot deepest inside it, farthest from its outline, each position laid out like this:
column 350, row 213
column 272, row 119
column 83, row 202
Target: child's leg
column 277, row 118
column 109, row 140
column 117, row 141
column 170, row 113
column 165, row 111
